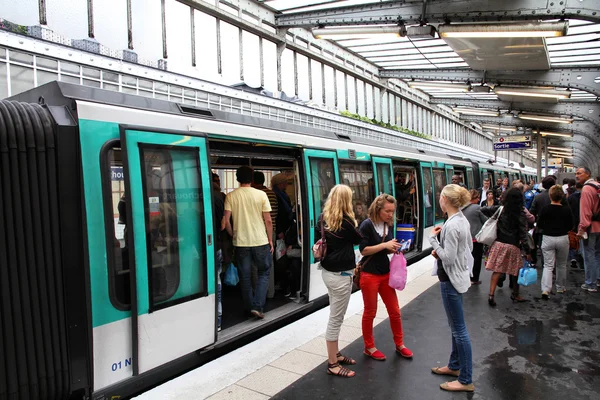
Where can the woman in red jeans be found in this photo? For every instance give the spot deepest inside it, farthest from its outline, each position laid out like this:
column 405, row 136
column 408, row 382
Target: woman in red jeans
column 378, row 241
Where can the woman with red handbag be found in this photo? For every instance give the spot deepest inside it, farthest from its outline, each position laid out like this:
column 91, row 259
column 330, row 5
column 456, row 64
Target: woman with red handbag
column 378, row 241
column 336, row 231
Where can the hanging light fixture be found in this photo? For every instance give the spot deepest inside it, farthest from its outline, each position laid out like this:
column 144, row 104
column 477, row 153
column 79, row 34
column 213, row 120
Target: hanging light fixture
column 559, row 134
column 500, row 128
column 545, row 118
column 476, row 111
column 525, row 30
column 547, row 94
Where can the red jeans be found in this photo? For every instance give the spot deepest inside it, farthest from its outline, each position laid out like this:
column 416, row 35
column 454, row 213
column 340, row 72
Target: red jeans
column 370, row 285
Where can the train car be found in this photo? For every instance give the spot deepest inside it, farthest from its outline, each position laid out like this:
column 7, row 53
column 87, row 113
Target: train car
column 110, row 269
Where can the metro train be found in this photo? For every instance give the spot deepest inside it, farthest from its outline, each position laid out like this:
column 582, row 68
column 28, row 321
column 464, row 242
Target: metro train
column 107, row 268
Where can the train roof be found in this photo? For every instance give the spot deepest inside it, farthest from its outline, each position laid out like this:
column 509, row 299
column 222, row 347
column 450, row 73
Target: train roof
column 58, row 95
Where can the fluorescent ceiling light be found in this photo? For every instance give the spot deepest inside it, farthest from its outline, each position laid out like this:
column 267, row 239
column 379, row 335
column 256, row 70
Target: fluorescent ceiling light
column 532, row 93
column 560, row 153
column 546, row 118
column 544, row 133
column 357, row 32
column 438, row 85
column 500, row 128
column 484, row 31
column 560, row 148
column 476, row 111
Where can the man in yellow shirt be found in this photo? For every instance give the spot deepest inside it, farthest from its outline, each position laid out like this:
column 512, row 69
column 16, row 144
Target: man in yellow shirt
column 252, row 237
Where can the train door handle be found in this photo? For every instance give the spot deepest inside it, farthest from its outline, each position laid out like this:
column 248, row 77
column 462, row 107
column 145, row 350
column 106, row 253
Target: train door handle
column 209, row 237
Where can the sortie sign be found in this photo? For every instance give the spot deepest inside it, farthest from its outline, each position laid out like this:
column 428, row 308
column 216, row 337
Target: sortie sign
column 512, row 142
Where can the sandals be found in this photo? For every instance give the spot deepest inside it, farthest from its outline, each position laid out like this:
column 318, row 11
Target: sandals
column 342, row 372
column 345, row 360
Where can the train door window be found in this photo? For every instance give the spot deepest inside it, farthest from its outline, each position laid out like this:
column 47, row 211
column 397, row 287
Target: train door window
column 384, row 180
column 359, row 176
column 322, row 173
column 439, row 181
column 174, row 213
column 428, row 199
column 470, row 179
column 117, row 246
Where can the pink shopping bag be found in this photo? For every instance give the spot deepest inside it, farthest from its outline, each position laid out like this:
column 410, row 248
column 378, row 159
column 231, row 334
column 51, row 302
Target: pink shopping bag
column 398, row 271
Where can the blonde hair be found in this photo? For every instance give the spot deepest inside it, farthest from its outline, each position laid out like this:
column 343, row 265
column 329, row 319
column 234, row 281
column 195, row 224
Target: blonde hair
column 338, row 204
column 456, row 195
column 378, row 204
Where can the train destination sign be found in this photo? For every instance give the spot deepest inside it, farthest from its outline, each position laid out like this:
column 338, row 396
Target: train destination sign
column 512, row 142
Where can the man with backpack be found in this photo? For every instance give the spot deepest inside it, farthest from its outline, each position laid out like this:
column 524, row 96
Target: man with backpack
column 589, row 228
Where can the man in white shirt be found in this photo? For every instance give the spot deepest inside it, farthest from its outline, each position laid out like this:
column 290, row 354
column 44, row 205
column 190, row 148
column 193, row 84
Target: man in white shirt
column 484, row 189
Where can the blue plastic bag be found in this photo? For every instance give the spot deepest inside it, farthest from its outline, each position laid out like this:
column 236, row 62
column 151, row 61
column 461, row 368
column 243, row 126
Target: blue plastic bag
column 527, row 275
column 231, row 276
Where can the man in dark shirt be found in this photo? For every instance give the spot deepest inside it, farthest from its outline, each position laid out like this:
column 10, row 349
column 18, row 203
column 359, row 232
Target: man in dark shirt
column 218, row 211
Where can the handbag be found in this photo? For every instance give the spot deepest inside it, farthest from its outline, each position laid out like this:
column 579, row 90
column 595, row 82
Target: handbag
column 398, row 272
column 573, row 241
column 319, row 249
column 527, row 275
column 363, row 262
column 489, row 230
column 280, row 249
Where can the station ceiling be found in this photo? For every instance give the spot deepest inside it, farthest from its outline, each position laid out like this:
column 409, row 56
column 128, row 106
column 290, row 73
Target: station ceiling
column 427, row 58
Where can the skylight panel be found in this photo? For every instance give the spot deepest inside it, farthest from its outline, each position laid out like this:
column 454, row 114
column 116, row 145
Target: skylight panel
column 419, row 66
column 435, row 49
column 385, row 53
column 369, row 41
column 382, row 47
column 452, row 65
column 396, row 58
column 573, row 39
column 574, row 46
column 407, row 62
column 449, row 54
column 583, row 29
column 569, row 53
column 571, row 63
column 593, row 57
column 428, row 42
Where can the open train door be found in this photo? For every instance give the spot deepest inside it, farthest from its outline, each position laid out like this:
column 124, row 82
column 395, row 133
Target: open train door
column 385, row 175
column 322, row 174
column 170, row 224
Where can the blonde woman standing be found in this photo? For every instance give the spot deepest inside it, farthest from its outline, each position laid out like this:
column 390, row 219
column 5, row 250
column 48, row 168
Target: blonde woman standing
column 339, row 226
column 377, row 243
column 453, row 274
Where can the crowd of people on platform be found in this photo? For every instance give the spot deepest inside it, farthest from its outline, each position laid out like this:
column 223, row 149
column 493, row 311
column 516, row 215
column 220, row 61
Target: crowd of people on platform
column 558, row 220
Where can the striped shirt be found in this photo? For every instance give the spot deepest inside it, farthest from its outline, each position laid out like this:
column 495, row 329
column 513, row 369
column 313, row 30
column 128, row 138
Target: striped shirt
column 273, row 200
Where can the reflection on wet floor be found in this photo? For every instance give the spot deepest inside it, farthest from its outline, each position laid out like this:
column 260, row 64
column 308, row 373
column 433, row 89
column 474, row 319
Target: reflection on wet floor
column 535, row 350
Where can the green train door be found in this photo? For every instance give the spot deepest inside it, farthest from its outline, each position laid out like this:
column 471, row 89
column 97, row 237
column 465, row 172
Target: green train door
column 322, row 174
column 449, row 174
column 170, row 224
column 385, row 175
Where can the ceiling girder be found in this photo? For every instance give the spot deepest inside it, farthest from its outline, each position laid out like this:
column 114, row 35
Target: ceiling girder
column 583, row 129
column 589, row 111
column 443, row 11
column 575, row 78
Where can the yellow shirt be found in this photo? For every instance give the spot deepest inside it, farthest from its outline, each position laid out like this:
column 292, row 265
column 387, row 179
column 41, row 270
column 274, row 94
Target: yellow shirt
column 247, row 206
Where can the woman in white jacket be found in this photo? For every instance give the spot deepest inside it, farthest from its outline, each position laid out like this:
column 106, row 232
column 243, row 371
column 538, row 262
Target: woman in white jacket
column 453, row 271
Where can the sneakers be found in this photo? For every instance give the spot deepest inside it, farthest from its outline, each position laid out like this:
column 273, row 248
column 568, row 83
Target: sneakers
column 544, row 295
column 589, row 288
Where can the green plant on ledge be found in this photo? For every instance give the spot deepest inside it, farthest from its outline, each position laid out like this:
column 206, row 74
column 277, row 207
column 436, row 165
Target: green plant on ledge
column 387, row 125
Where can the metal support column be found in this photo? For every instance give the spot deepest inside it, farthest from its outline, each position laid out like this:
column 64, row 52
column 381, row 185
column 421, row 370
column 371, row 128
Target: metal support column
column 546, row 156
column 539, row 157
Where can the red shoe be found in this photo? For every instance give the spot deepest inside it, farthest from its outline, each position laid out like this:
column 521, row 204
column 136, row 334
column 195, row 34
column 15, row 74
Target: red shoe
column 376, row 355
column 404, row 352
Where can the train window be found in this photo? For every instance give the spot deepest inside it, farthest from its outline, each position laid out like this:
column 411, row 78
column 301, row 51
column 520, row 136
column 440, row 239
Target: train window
column 174, row 229
column 117, row 246
column 322, row 174
column 359, row 176
column 439, row 181
column 428, row 200
column 470, row 179
column 384, row 180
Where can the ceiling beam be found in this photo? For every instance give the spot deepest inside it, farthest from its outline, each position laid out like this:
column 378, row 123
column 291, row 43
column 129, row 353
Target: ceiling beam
column 575, row 78
column 438, row 11
column 583, row 129
column 587, row 110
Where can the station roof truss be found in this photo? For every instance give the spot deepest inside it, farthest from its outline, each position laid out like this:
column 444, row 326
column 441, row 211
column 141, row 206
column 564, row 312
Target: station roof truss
column 573, row 59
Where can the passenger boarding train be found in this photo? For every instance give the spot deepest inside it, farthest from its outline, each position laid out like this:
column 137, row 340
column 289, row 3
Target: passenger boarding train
column 107, row 268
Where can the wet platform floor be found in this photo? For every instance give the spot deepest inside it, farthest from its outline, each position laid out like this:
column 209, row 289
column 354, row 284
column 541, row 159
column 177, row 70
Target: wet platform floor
column 535, row 350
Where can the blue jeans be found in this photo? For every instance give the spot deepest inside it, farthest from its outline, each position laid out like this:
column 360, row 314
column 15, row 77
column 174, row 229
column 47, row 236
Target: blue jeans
column 262, row 258
column 590, row 248
column 219, row 288
column 461, row 357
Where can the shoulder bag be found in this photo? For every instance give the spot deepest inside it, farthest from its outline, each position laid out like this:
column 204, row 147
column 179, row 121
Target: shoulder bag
column 364, row 261
column 319, row 249
column 488, row 233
